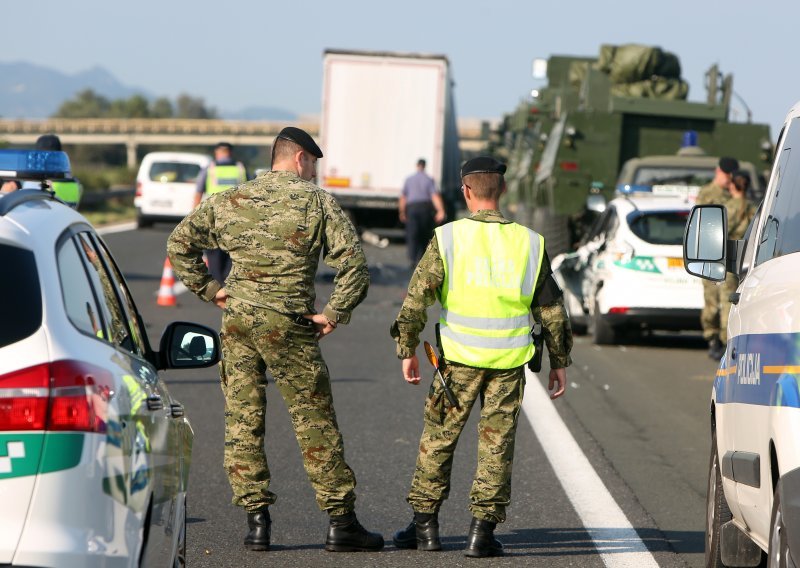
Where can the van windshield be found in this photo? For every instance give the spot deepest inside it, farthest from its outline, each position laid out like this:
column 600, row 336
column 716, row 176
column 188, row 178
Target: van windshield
column 174, row 172
column 671, row 175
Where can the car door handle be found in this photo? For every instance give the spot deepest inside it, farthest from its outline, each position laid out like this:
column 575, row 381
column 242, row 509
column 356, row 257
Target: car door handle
column 154, row 403
column 734, row 298
column 176, row 410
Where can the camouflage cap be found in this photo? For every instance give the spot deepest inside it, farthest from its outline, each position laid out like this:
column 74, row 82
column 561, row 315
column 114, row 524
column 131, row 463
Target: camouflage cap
column 302, row 139
column 482, row 165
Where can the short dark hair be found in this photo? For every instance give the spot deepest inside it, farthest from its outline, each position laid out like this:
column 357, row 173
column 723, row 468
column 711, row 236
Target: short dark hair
column 421, row 162
column 284, row 148
column 226, row 145
column 484, row 185
column 48, row 142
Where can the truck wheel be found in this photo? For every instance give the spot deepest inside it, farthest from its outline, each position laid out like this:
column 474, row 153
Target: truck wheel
column 604, row 333
column 717, row 511
column 778, row 543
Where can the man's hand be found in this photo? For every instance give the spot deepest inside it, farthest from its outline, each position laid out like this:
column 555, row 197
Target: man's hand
column 220, row 298
column 557, row 376
column 411, row 370
column 322, row 324
column 439, row 217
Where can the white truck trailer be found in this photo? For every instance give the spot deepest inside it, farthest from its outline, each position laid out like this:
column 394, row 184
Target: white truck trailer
column 381, row 112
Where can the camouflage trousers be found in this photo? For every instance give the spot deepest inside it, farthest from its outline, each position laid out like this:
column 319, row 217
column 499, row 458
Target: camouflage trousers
column 727, row 288
column 500, row 392
column 256, row 340
column 709, row 317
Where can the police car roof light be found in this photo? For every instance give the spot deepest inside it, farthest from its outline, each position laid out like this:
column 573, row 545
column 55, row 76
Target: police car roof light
column 34, row 165
column 628, row 189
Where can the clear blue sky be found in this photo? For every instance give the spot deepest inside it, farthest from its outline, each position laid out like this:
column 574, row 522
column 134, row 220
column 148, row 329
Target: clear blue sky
column 240, row 53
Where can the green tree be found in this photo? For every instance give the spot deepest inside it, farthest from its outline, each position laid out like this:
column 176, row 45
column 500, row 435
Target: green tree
column 193, row 107
column 162, row 108
column 135, row 107
column 86, row 104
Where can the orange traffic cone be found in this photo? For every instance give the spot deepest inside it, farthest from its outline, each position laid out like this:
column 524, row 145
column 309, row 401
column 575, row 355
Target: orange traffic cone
column 166, row 293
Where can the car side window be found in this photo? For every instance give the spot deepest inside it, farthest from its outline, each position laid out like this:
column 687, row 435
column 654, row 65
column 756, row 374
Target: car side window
column 117, row 329
column 781, row 232
column 79, row 300
column 137, row 334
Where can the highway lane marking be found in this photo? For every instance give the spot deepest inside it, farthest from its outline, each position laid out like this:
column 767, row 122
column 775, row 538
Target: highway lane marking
column 613, row 535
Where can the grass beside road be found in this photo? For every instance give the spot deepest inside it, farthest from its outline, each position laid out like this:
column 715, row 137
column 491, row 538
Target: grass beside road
column 111, row 212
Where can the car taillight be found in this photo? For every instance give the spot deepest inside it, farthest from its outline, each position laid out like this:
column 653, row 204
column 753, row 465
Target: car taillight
column 138, row 189
column 63, row 396
column 23, row 398
column 618, row 310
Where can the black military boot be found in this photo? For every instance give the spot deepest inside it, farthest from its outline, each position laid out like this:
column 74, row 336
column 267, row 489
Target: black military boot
column 345, row 534
column 481, row 541
column 715, row 349
column 422, row 533
column 260, row 526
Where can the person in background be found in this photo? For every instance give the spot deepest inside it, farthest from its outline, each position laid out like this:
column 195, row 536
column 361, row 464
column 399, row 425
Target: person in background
column 740, row 213
column 221, row 174
column 715, row 192
column 9, row 185
column 421, row 208
column 67, row 190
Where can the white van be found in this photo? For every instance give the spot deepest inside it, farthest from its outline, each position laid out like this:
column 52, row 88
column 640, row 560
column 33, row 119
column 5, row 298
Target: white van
column 165, row 186
column 754, row 469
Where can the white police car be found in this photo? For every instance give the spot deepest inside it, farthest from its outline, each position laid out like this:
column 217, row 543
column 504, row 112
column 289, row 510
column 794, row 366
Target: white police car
column 754, row 469
column 628, row 275
column 94, row 452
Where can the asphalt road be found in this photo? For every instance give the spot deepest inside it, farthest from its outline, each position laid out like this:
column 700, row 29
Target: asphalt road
column 639, row 415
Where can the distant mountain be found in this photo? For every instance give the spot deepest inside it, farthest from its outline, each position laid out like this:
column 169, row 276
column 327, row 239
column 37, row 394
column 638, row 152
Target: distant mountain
column 33, row 91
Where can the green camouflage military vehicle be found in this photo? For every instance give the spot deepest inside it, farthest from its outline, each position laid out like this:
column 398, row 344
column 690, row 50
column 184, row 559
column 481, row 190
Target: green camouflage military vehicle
column 595, row 114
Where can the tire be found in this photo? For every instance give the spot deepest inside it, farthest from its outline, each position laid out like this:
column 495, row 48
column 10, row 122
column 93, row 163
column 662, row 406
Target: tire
column 180, row 554
column 142, row 221
column 717, row 510
column 604, row 333
column 778, row 543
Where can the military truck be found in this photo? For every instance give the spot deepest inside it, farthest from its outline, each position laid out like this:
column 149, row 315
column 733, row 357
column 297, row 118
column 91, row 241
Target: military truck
column 595, row 115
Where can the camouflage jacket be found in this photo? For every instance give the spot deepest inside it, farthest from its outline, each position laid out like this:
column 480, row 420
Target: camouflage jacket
column 274, row 229
column 712, row 194
column 423, row 291
column 740, row 212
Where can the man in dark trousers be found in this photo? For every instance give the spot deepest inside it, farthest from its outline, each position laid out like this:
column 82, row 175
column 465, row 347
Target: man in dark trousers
column 421, row 209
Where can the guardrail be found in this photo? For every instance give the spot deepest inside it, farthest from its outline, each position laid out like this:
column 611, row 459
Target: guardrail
column 94, row 198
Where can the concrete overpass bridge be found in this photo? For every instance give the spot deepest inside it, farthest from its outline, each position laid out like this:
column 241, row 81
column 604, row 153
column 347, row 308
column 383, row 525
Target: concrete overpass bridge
column 133, row 132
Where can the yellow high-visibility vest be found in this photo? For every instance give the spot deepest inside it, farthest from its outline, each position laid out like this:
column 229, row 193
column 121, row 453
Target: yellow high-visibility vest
column 68, row 191
column 222, row 177
column 491, row 271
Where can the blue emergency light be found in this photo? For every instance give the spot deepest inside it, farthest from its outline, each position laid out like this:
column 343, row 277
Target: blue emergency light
column 629, row 189
column 34, row 165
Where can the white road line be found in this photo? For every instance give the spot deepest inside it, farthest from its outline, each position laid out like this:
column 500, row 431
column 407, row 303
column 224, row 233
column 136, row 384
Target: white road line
column 121, row 228
column 612, row 533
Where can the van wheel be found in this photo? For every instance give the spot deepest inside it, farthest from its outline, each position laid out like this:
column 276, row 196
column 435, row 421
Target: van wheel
column 717, row 510
column 604, row 333
column 778, row 543
column 142, row 221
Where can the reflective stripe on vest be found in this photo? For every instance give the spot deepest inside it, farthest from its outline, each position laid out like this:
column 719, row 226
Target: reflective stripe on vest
column 222, row 177
column 490, row 274
column 68, row 191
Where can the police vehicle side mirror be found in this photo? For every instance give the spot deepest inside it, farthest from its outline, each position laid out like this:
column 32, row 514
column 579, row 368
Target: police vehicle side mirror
column 187, row 345
column 704, row 242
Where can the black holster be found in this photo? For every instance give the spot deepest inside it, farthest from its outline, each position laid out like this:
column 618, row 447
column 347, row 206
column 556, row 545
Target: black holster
column 535, row 364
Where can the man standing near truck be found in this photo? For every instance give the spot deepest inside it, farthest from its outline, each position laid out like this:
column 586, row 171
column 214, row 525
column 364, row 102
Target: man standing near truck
column 716, row 193
column 421, row 209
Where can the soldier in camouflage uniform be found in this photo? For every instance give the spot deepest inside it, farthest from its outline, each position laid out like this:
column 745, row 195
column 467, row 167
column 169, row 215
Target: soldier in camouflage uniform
column 499, row 389
column 275, row 228
column 740, row 212
column 716, row 193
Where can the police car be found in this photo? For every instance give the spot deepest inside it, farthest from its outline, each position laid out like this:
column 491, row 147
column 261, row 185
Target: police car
column 94, row 452
column 753, row 504
column 628, row 275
